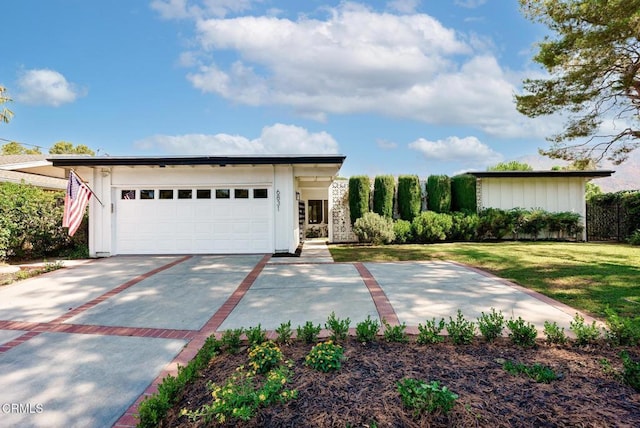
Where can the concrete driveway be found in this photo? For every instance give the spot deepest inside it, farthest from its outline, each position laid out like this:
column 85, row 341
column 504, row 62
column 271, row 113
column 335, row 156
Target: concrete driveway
column 83, row 345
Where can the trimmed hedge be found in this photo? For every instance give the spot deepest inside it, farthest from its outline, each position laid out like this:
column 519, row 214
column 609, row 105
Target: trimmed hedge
column 439, row 193
column 383, row 189
column 409, row 197
column 359, row 190
column 463, row 193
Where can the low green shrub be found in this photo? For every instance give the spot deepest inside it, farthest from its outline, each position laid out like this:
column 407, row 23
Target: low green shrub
column 308, row 332
column 256, row 335
column 534, row 222
column 554, row 333
column 634, row 239
column 232, row 339
column 402, row 230
column 396, row 333
column 621, row 330
column 494, row 223
column 460, row 330
column 373, row 228
column 242, row 395
column 325, row 357
column 564, row 224
column 367, row 330
column 464, row 226
column 491, row 325
column 522, row 333
column 538, row 372
column 420, row 396
column 630, row 371
column 339, row 329
column 585, row 334
column 431, row 227
column 154, row 408
column 284, row 333
column 431, row 332
column 264, row 356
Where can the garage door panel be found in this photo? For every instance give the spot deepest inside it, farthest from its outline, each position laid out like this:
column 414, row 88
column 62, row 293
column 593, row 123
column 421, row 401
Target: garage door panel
column 187, row 226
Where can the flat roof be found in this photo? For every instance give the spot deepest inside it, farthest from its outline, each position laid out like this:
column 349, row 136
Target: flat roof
column 195, row 160
column 548, row 173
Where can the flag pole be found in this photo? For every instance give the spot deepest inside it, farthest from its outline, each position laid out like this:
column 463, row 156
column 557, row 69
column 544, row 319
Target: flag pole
column 85, row 183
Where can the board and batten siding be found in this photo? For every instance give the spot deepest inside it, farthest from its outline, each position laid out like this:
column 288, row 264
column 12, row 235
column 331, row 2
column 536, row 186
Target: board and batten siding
column 551, row 194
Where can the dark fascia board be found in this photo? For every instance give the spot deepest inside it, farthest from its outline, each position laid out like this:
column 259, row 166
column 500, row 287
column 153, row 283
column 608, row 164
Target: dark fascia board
column 91, row 161
column 522, row 174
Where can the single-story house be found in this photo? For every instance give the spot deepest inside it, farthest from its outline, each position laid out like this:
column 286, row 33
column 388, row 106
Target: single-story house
column 31, row 169
column 202, row 204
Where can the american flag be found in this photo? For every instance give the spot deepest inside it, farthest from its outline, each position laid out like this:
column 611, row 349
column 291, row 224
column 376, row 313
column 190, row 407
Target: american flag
column 75, row 202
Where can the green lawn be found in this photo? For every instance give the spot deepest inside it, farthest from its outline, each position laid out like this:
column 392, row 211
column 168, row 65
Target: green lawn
column 586, row 276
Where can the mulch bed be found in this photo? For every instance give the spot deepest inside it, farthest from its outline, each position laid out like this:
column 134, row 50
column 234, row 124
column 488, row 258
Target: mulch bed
column 363, row 392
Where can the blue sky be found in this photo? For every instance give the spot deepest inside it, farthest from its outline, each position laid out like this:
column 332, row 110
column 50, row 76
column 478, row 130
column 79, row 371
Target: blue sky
column 399, row 87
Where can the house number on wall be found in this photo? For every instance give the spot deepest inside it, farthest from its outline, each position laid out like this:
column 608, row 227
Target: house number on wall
column 278, row 199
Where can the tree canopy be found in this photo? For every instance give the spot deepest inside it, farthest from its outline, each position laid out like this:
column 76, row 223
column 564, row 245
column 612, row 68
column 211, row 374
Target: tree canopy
column 65, row 147
column 593, row 61
column 511, row 166
column 14, row 148
column 5, row 113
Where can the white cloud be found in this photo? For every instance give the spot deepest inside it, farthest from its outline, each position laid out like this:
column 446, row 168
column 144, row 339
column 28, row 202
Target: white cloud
column 468, row 150
column 46, row 87
column 275, row 139
column 357, row 60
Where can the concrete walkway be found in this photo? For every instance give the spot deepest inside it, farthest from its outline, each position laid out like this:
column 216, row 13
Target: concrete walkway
column 83, row 346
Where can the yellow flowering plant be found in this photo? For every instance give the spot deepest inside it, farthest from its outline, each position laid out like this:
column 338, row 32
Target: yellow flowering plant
column 264, row 356
column 243, row 394
column 325, row 356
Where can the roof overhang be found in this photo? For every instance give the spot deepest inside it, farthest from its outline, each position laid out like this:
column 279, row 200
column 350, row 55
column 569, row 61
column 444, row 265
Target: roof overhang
column 540, row 174
column 163, row 161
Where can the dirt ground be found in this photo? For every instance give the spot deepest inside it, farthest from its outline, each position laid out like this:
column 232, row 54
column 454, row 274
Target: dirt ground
column 363, row 392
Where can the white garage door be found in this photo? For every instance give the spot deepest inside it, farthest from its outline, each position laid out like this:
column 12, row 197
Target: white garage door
column 190, row 221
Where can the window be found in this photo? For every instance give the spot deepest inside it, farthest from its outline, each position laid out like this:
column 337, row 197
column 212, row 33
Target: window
column 259, row 193
column 127, row 194
column 147, row 194
column 223, row 194
column 165, row 194
column 318, row 211
column 203, row 193
column 184, row 193
column 241, row 193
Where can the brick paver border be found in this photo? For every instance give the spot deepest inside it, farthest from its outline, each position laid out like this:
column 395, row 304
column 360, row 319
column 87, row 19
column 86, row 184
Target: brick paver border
column 57, row 326
column 383, row 305
column 196, row 338
column 129, row 419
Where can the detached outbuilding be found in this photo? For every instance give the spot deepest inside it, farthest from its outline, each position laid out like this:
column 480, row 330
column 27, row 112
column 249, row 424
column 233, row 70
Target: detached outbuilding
column 200, row 204
column 553, row 191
